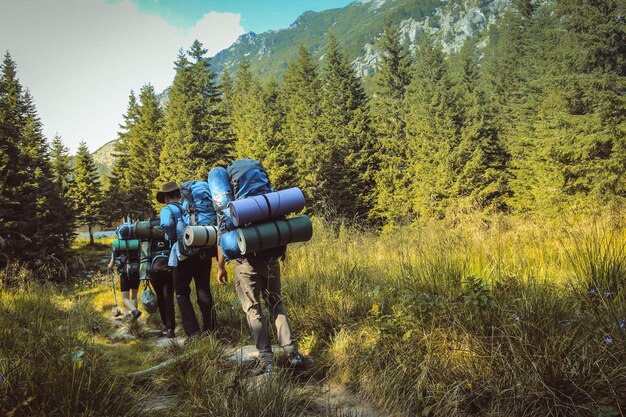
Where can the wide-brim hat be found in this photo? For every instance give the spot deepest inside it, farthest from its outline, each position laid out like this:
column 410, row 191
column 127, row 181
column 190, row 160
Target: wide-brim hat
column 166, row 188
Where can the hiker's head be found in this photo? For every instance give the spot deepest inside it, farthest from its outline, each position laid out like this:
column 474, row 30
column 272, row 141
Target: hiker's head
column 170, row 193
column 172, row 197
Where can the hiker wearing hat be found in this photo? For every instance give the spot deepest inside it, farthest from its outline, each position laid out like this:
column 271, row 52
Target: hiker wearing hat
column 196, row 267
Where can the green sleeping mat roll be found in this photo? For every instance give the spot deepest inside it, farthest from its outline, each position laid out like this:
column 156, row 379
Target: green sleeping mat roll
column 200, row 236
column 274, row 234
column 148, row 230
column 124, row 245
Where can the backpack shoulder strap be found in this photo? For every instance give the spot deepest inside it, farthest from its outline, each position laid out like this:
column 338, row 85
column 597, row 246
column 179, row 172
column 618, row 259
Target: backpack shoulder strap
column 186, row 194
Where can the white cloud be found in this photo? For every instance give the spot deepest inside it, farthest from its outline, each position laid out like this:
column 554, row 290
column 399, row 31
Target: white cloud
column 81, row 58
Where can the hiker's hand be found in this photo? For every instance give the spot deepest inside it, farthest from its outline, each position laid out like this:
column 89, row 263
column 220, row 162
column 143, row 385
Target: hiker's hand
column 222, row 276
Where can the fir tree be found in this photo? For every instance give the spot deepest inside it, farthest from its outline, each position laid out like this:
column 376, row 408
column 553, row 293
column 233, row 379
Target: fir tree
column 28, row 198
column 580, row 123
column 118, row 200
column 85, row 192
column 341, row 163
column 227, row 88
column 144, row 152
column 274, row 150
column 432, row 131
column 391, row 196
column 60, row 160
column 16, row 210
column 299, row 97
column 479, row 161
column 196, row 132
column 46, row 229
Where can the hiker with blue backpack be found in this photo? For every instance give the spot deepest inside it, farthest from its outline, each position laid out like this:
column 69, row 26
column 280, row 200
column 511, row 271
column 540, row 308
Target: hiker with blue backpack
column 257, row 275
column 189, row 264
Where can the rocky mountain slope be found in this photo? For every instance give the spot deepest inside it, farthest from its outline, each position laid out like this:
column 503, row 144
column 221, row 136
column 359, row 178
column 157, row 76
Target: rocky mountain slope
column 359, row 26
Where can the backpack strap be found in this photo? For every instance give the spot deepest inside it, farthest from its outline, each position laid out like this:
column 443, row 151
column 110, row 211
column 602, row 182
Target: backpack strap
column 185, row 192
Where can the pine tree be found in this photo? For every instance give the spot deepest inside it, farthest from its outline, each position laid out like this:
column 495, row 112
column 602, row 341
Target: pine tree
column 46, row 230
column 432, row 131
column 227, row 88
column 118, row 200
column 479, row 161
column 299, row 97
column 508, row 73
column 246, row 112
column 144, row 152
column 60, row 160
column 86, row 194
column 16, row 209
column 341, row 162
column 256, row 122
column 391, row 197
column 28, row 198
column 196, row 132
column 581, row 116
column 274, row 150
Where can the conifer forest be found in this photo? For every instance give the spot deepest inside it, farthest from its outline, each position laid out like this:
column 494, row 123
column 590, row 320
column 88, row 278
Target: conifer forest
column 469, row 247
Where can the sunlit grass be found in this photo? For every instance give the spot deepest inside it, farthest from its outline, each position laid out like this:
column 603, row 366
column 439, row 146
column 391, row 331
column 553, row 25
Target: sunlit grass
column 484, row 317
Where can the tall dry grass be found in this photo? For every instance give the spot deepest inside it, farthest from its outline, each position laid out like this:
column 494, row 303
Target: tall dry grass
column 483, row 317
column 502, row 317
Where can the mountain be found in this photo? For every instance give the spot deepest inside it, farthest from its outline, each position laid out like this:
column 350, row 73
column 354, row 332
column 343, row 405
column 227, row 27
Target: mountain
column 358, row 27
column 103, row 157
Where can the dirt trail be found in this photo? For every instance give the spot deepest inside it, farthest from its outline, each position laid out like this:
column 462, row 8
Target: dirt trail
column 331, row 397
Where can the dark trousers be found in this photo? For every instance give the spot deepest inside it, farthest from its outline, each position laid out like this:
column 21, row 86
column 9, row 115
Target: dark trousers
column 256, row 279
column 198, row 268
column 163, row 283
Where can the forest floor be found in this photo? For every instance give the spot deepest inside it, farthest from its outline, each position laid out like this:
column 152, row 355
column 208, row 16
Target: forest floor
column 133, row 347
column 486, row 317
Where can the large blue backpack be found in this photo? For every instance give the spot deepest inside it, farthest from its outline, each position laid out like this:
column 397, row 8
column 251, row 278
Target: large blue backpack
column 197, row 210
column 248, row 178
column 222, row 193
column 197, row 204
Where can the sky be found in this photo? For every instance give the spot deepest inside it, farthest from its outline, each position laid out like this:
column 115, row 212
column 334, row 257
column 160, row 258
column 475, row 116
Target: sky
column 81, row 58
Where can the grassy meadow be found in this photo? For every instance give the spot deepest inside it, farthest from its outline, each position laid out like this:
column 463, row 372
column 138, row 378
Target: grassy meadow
column 498, row 317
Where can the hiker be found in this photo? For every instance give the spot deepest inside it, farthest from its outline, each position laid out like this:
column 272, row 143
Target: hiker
column 258, row 275
column 196, row 267
column 129, row 283
column 162, row 279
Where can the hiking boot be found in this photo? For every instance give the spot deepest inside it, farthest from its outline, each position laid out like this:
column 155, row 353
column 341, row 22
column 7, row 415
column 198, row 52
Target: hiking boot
column 134, row 315
column 263, row 368
column 194, row 337
column 296, row 359
column 171, row 334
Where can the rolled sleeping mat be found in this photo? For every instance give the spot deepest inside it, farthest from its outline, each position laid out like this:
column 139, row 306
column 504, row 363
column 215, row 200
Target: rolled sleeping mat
column 229, row 245
column 200, row 236
column 125, row 231
column 148, row 230
column 266, row 207
column 274, row 234
column 124, row 245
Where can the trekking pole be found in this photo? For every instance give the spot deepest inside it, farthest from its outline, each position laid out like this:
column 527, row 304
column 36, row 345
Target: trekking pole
column 115, row 311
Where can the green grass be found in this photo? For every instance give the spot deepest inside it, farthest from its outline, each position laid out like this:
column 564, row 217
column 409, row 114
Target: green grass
column 488, row 317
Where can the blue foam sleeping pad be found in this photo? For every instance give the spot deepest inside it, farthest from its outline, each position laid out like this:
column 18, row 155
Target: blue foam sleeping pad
column 222, row 194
